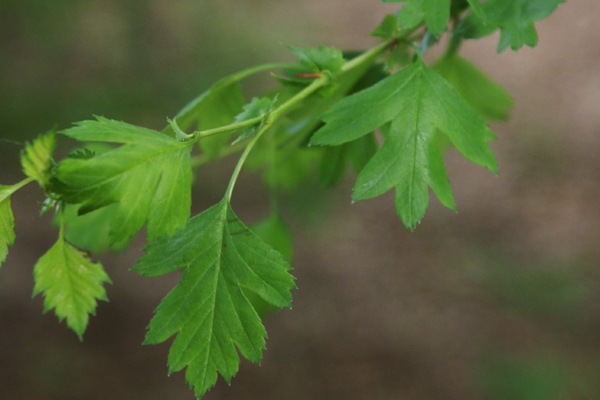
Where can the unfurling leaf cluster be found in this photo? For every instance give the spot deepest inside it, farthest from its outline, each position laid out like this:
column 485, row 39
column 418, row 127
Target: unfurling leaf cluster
column 384, row 112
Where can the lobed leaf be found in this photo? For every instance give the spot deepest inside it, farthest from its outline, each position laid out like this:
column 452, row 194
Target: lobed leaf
column 208, row 310
column 410, row 105
column 70, row 283
column 516, row 20
column 149, row 177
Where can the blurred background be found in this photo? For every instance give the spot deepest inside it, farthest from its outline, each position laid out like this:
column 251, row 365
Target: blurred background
column 498, row 301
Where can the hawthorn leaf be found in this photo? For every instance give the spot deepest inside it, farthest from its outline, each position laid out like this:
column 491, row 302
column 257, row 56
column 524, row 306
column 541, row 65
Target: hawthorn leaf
column 70, row 283
column 36, row 158
column 149, row 177
column 435, row 12
column 481, row 92
column 411, row 104
column 208, row 310
column 516, row 20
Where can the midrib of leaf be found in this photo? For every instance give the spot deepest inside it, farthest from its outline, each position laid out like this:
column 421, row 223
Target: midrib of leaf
column 416, row 139
column 70, row 276
column 212, row 298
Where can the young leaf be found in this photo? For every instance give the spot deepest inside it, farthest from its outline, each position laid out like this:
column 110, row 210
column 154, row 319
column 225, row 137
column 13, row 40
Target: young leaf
column 319, row 59
column 71, row 284
column 36, row 159
column 208, row 310
column 149, row 176
column 516, row 20
column 435, row 12
column 480, row 91
column 415, row 101
column 256, row 108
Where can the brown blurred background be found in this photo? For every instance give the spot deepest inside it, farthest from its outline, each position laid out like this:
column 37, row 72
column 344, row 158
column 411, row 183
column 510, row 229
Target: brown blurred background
column 499, row 301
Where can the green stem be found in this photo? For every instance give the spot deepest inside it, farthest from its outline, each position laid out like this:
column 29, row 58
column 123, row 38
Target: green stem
column 227, row 128
column 259, row 68
column 367, row 55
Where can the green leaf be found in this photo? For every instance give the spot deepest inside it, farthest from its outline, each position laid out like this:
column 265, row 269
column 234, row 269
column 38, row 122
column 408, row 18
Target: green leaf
column 90, row 231
column 516, row 20
column 480, row 91
column 413, row 102
column 149, row 176
column 208, row 310
column 256, row 108
column 477, row 8
column 274, row 232
column 319, row 59
column 7, row 222
column 71, row 284
column 36, row 159
column 473, row 27
column 388, row 27
column 435, row 12
column 7, row 219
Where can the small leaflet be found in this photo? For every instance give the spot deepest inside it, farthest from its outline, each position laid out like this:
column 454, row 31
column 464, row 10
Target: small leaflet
column 256, row 108
column 319, row 59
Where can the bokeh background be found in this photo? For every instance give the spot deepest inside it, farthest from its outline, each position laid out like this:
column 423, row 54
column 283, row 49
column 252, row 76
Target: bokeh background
column 498, row 301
